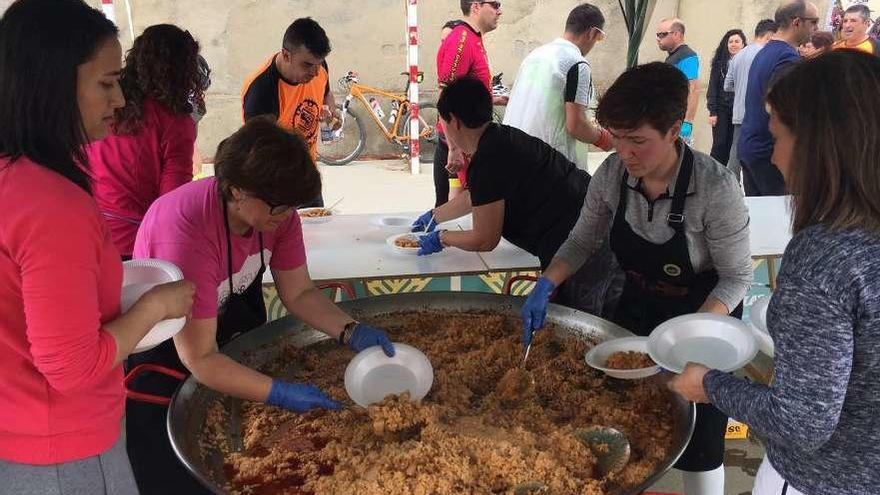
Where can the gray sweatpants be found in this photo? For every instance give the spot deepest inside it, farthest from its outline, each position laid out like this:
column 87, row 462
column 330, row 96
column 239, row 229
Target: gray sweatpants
column 105, row 474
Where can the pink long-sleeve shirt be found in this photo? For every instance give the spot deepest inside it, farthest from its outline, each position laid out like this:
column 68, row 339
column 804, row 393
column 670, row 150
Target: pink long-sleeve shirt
column 61, row 396
column 131, row 170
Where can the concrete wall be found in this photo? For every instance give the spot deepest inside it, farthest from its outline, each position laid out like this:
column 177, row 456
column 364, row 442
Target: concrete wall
column 369, row 37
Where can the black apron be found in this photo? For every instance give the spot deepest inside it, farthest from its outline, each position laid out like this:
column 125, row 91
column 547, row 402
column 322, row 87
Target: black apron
column 156, row 467
column 661, row 284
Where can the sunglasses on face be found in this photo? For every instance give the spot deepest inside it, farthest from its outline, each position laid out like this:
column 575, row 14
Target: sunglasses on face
column 663, row 34
column 601, row 33
column 495, row 5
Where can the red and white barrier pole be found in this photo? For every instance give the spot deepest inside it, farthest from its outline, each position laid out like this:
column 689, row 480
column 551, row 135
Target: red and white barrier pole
column 413, row 56
column 107, row 8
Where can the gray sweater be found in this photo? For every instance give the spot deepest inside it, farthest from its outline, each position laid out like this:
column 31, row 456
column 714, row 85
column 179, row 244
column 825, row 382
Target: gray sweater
column 821, row 416
column 716, row 222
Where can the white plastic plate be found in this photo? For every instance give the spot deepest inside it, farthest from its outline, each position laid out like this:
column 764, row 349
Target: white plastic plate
column 758, row 320
column 139, row 276
column 315, row 220
column 395, row 223
column 598, row 356
column 371, row 375
column 402, row 250
column 720, row 342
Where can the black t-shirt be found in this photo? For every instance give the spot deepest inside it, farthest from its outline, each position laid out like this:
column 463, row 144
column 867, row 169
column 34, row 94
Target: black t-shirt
column 261, row 97
column 542, row 190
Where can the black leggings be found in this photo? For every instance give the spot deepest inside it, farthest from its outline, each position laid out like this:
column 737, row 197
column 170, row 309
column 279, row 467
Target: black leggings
column 441, row 175
column 722, row 135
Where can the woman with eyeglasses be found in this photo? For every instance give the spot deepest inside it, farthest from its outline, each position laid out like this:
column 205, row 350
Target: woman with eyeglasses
column 819, row 418
column 223, row 232
column 150, row 149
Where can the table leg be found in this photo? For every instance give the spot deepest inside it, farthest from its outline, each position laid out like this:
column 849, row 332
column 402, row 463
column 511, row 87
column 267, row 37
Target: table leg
column 771, row 272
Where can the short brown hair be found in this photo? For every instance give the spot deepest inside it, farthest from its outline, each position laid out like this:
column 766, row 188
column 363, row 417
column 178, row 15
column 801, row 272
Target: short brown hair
column 822, row 39
column 835, row 179
column 655, row 94
column 273, row 164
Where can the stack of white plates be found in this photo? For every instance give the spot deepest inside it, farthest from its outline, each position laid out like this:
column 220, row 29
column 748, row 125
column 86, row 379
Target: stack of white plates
column 719, row 342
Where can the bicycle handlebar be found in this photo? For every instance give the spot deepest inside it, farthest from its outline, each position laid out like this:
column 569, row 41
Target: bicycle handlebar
column 346, row 80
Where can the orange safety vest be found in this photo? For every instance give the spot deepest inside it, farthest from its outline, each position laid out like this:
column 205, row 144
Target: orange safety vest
column 299, row 104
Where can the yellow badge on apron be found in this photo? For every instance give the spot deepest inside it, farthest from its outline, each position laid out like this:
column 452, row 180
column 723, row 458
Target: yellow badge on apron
column 672, row 270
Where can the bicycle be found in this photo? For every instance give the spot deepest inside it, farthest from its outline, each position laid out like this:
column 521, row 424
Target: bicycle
column 347, row 142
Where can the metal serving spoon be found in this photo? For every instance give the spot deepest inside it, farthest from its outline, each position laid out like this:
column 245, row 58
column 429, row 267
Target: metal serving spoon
column 609, row 446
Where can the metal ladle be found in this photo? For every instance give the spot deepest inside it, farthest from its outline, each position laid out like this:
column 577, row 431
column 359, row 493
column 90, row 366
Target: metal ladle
column 528, row 348
column 517, row 383
column 609, row 446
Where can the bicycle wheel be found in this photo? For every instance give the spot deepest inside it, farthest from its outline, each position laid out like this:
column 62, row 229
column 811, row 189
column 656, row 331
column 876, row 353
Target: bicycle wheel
column 428, row 118
column 348, row 142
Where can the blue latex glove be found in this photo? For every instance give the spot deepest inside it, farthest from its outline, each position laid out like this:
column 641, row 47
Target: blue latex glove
column 425, row 223
column 299, row 397
column 430, row 244
column 365, row 336
column 687, row 130
column 534, row 311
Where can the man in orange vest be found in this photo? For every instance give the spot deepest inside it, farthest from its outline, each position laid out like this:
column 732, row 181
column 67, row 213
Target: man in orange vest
column 854, row 30
column 294, row 85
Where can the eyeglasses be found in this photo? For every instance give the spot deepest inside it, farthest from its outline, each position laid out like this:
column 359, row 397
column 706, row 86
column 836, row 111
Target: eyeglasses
column 663, row 34
column 601, row 33
column 495, row 5
column 812, row 20
column 275, row 210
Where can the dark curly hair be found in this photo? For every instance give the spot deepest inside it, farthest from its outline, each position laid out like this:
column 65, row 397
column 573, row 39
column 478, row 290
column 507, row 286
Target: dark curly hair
column 163, row 64
column 722, row 54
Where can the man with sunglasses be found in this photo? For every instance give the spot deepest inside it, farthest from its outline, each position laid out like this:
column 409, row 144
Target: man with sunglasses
column 796, row 21
column 554, row 84
column 462, row 54
column 293, row 85
column 670, row 39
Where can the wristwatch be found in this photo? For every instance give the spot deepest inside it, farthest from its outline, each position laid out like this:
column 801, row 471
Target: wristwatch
column 347, row 331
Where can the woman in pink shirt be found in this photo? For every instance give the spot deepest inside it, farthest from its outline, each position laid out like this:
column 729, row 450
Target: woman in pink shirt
column 150, row 149
column 62, row 338
column 223, row 232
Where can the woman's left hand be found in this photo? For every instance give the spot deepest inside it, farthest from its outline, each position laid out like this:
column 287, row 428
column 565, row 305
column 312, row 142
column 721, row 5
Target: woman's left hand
column 365, row 336
column 689, row 384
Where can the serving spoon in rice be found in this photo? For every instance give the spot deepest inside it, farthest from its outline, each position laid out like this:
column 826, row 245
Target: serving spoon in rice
column 610, row 447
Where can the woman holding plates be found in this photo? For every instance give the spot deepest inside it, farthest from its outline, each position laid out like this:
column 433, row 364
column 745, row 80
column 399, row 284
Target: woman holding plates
column 678, row 225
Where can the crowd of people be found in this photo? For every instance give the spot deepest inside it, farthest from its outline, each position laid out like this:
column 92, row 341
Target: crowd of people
column 96, row 167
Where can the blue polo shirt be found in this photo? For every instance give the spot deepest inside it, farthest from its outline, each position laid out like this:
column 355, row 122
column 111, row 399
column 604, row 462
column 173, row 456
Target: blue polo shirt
column 686, row 60
column 756, row 142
